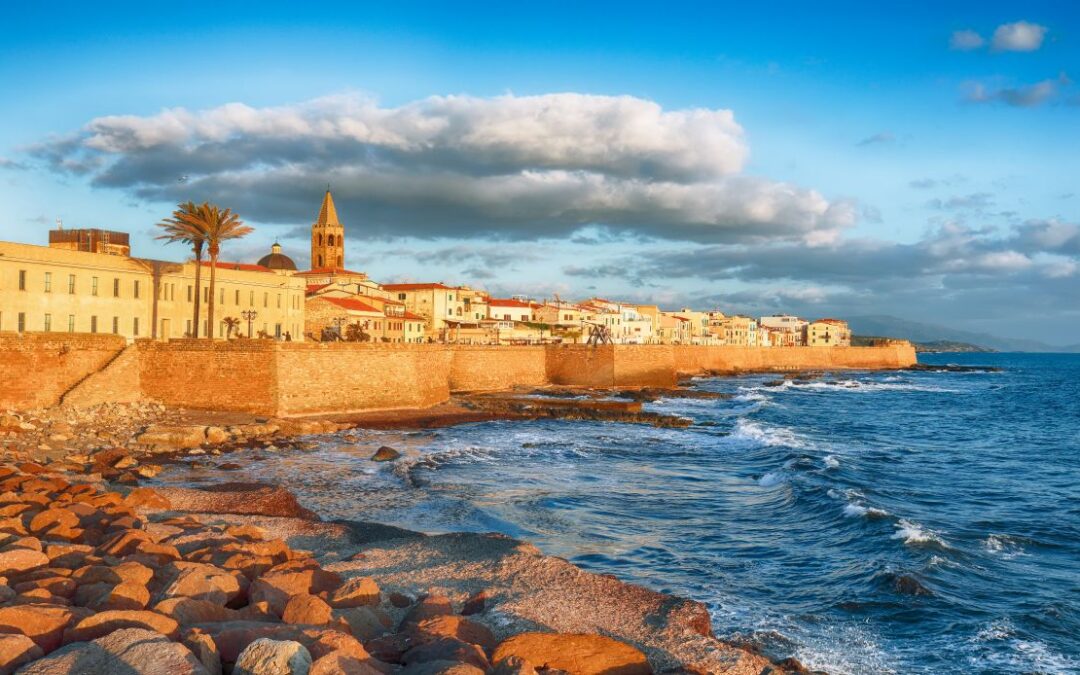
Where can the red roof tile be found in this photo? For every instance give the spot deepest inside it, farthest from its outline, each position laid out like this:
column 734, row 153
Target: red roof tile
column 315, row 288
column 354, row 305
column 417, row 317
column 329, row 270
column 414, row 287
column 495, row 302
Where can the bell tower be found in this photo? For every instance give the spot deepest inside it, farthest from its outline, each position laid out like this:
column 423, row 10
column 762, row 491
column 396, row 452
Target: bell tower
column 327, row 237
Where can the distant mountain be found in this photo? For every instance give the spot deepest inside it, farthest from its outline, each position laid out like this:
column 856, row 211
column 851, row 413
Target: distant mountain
column 949, row 346
column 891, row 326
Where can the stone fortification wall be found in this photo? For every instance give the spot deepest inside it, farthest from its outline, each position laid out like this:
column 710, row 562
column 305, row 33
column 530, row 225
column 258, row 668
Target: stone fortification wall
column 581, row 365
column 491, row 368
column 37, row 369
column 274, row 378
column 695, row 359
column 645, row 366
column 238, row 376
column 343, row 377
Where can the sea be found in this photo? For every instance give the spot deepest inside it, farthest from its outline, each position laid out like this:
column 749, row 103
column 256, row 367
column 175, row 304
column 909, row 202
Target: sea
column 862, row 522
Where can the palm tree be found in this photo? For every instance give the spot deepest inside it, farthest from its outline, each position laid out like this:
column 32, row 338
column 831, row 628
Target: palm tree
column 185, row 226
column 220, row 225
column 232, row 324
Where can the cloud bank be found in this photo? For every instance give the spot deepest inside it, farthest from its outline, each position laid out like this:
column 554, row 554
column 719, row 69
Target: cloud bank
column 517, row 167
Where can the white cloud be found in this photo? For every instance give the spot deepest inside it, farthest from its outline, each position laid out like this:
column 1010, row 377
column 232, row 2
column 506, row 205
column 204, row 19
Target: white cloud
column 966, row 40
column 1026, row 96
column 518, row 167
column 1020, row 36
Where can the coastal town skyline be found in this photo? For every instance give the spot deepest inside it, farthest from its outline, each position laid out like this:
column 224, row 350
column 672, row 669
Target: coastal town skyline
column 746, row 192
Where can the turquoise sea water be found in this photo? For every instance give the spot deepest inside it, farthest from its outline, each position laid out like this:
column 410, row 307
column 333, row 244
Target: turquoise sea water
column 862, row 522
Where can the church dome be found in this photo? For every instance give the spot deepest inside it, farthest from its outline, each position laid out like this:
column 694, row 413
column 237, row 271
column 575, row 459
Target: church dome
column 276, row 260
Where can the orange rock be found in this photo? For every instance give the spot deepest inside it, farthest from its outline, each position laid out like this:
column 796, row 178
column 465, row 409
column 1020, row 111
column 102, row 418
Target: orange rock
column 307, row 609
column 446, row 649
column 578, row 653
column 453, row 626
column 122, row 596
column 69, row 556
column 124, row 542
column 147, row 498
column 9, row 510
column 204, row 649
column 15, row 650
column 12, row 526
column 355, row 592
column 58, row 585
column 103, row 623
column 162, row 554
column 277, row 588
column 340, row 663
column 49, row 518
column 18, row 560
column 32, row 543
column 127, row 650
column 44, row 624
column 189, row 611
column 429, row 606
column 203, row 582
column 130, row 572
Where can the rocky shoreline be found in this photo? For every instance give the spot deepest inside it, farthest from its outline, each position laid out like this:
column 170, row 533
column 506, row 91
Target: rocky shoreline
column 102, row 575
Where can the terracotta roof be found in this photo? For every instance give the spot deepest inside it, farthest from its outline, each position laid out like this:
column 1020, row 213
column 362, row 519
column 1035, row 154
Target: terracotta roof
column 414, row 287
column 417, row 317
column 242, row 267
column 495, row 302
column 832, row 321
column 329, row 270
column 354, row 305
column 315, row 288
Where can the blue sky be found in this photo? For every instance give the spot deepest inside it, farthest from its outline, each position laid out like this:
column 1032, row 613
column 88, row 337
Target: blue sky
column 826, row 158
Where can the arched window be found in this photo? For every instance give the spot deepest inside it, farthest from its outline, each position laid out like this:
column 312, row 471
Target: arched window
column 320, row 262
column 330, row 240
column 320, row 240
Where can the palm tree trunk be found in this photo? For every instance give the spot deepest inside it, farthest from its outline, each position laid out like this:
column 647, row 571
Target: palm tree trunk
column 210, row 300
column 198, row 290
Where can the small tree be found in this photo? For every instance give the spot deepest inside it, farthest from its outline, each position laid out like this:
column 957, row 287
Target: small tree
column 232, row 325
column 185, row 226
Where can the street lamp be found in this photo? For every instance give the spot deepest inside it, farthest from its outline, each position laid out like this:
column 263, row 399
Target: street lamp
column 338, row 323
column 249, row 316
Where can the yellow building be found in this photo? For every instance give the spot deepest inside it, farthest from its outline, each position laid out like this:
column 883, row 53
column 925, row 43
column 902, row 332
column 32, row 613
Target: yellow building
column 52, row 289
column 828, row 333
column 740, row 331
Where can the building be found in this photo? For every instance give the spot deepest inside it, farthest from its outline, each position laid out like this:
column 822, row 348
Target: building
column 63, row 289
column 91, row 241
column 327, row 237
column 276, row 260
column 510, row 310
column 785, row 330
column 828, row 333
column 740, row 331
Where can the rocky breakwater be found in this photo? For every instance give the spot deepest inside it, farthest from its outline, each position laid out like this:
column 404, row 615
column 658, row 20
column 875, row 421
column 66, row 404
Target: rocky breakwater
column 243, row 580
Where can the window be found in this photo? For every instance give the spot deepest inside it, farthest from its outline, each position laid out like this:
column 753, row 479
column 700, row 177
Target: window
column 93, row 324
column 206, row 294
column 48, row 322
column 187, row 327
column 22, row 322
column 251, row 298
column 237, row 297
column 71, row 323
column 400, row 296
column 48, row 282
column 135, row 322
column 93, row 285
column 190, row 290
column 22, row 280
column 266, row 299
column 136, row 295
column 116, row 325
column 116, row 288
column 279, row 301
column 71, row 284
column 221, row 296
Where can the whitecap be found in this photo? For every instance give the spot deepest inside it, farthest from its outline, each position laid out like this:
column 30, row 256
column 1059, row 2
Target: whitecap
column 854, row 510
column 915, row 534
column 1003, row 545
column 831, row 462
column 759, row 434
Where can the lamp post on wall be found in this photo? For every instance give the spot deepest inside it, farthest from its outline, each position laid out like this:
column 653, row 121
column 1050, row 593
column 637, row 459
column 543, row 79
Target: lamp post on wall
column 249, row 316
column 338, row 322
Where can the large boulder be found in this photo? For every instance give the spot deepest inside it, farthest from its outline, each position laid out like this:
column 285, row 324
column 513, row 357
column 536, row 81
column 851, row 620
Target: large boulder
column 165, row 437
column 16, row 560
column 452, row 626
column 355, row 592
column 201, row 581
column 15, row 650
column 578, row 653
column 238, row 498
column 276, row 588
column 273, row 657
column 129, row 650
column 103, row 623
column 42, row 623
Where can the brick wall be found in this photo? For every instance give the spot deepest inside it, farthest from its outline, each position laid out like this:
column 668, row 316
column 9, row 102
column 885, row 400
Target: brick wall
column 36, row 369
column 644, row 365
column 581, row 365
column 694, row 359
column 347, row 377
column 211, row 375
column 119, row 381
column 489, row 368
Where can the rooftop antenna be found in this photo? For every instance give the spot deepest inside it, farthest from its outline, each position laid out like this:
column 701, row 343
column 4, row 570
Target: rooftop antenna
column 60, row 224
